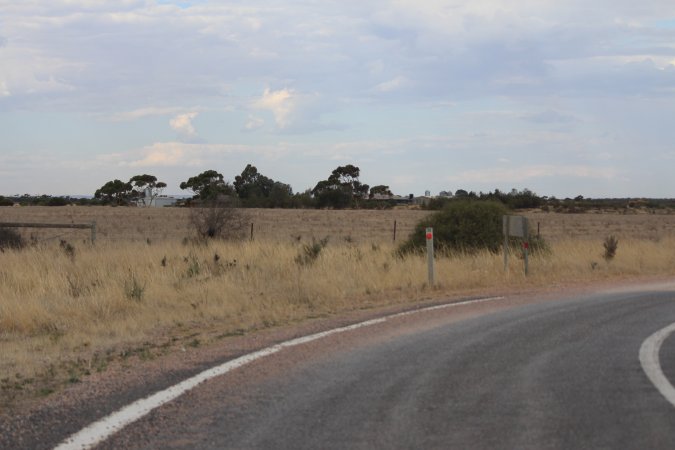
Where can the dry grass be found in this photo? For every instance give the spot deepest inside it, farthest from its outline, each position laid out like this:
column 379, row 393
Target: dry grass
column 64, row 315
column 363, row 226
column 173, row 224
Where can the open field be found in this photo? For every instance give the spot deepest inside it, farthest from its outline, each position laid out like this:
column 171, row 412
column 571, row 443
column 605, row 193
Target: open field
column 172, row 224
column 363, row 226
column 140, row 291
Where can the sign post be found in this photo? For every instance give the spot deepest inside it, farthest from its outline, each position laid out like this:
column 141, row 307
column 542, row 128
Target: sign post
column 430, row 254
column 516, row 226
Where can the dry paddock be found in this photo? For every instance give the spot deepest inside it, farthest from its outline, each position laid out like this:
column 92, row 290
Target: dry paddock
column 116, row 224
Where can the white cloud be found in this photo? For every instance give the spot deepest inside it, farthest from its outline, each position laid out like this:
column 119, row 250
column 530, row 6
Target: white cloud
column 281, row 103
column 165, row 154
column 183, row 154
column 392, row 85
column 182, row 123
column 144, row 112
column 526, row 173
column 254, row 123
column 4, row 92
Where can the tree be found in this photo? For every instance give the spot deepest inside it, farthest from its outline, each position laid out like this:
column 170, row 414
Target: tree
column 251, row 183
column 115, row 192
column 145, row 183
column 281, row 195
column 341, row 189
column 330, row 194
column 380, row 190
column 257, row 190
column 207, row 185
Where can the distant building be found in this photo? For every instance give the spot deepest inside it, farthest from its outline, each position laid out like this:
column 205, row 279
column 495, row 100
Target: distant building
column 399, row 200
column 159, row 201
column 164, row 200
column 423, row 201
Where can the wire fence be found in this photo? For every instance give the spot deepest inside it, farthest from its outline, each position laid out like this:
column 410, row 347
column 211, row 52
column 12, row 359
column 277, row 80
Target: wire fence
column 117, row 225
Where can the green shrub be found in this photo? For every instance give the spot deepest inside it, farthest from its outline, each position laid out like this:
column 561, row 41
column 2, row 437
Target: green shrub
column 310, row 252
column 465, row 226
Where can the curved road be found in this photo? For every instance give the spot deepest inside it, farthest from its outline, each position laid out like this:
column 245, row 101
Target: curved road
column 556, row 375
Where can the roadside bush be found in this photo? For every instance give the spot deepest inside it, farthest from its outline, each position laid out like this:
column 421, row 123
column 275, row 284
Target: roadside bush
column 10, row 238
column 465, row 226
column 537, row 246
column 611, row 244
column 310, row 252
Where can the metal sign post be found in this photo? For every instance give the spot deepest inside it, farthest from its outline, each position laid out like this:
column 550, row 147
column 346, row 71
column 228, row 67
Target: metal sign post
column 430, row 254
column 526, row 250
column 516, row 226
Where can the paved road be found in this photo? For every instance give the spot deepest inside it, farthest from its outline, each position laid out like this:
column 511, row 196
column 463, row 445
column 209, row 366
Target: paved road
column 557, row 375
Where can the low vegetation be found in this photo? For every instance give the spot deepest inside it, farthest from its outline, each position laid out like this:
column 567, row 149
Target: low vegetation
column 465, row 226
column 65, row 314
column 10, row 238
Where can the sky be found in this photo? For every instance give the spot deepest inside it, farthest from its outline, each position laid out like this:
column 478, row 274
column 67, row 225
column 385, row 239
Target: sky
column 563, row 97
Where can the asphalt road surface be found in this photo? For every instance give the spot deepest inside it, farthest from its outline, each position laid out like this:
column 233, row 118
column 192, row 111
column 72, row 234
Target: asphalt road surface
column 555, row 375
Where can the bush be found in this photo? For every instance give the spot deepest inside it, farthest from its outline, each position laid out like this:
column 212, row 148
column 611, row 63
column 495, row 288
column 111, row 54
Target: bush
column 465, row 226
column 310, row 252
column 10, row 238
column 611, row 244
column 219, row 219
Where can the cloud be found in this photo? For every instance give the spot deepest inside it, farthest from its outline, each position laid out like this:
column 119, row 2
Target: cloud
column 4, row 92
column 549, row 117
column 447, row 50
column 281, row 103
column 165, row 154
column 526, row 173
column 294, row 112
column 182, row 123
column 144, row 112
column 182, row 154
column 392, row 85
column 254, row 123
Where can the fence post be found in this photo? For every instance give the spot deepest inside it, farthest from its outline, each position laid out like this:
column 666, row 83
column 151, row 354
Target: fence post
column 93, row 232
column 430, row 254
column 394, row 231
column 505, row 229
column 251, row 230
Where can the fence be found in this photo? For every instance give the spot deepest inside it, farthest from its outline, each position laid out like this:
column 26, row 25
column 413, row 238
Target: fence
column 91, row 226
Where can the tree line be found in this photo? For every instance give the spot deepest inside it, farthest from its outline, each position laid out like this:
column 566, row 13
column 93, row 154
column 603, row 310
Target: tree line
column 342, row 189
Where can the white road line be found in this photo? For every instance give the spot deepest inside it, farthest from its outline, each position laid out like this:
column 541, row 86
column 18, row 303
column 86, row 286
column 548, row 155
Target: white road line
column 101, row 430
column 649, row 358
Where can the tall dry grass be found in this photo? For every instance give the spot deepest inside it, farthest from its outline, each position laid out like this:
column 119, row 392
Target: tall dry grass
column 63, row 314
